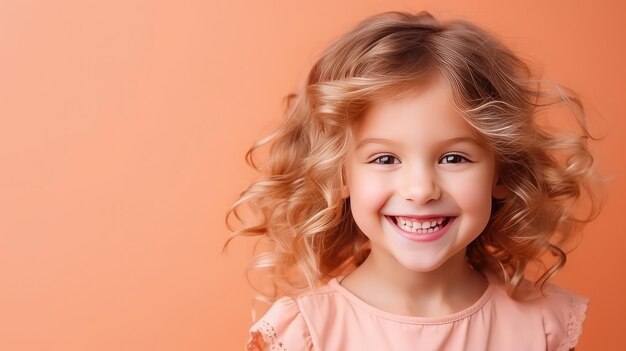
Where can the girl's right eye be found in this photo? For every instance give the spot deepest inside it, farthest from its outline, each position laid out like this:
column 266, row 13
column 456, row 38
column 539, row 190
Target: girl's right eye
column 385, row 160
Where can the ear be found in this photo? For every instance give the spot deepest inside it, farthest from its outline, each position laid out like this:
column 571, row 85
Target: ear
column 498, row 190
column 345, row 191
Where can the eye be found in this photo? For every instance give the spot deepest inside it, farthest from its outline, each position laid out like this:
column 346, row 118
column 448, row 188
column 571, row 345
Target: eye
column 453, row 158
column 385, row 160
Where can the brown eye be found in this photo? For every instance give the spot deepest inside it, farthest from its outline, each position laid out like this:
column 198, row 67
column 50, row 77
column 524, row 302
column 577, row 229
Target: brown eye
column 385, row 160
column 453, row 158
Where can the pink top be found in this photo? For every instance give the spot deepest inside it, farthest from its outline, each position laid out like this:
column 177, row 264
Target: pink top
column 332, row 318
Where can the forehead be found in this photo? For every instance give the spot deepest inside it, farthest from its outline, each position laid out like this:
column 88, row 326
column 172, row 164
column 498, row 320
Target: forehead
column 427, row 113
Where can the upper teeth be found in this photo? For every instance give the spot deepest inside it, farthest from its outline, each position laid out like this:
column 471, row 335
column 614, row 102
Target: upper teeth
column 417, row 223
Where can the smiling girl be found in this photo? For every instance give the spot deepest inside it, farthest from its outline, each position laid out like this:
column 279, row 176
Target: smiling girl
column 409, row 191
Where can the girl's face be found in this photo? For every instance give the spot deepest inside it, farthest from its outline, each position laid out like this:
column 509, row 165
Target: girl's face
column 420, row 182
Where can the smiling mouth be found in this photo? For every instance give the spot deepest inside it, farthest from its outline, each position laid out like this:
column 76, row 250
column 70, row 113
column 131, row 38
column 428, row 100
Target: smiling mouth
column 420, row 226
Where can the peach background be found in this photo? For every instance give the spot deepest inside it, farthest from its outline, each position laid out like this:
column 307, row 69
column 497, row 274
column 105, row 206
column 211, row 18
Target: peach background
column 124, row 125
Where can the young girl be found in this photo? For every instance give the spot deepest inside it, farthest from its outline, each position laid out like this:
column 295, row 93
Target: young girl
column 411, row 196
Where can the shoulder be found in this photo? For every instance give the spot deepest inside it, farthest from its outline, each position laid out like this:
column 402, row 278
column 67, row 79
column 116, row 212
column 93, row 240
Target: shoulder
column 563, row 316
column 295, row 323
column 281, row 328
column 558, row 312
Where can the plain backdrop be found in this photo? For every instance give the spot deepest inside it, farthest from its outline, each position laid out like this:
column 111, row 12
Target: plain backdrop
column 122, row 135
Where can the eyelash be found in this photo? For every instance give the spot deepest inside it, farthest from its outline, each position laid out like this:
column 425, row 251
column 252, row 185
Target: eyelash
column 379, row 159
column 461, row 157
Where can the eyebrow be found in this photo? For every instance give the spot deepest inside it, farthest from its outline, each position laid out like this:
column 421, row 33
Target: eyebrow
column 452, row 141
column 374, row 141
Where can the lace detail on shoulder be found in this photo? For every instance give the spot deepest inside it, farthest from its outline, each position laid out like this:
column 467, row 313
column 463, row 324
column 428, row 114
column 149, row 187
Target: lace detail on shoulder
column 282, row 328
column 577, row 315
column 270, row 339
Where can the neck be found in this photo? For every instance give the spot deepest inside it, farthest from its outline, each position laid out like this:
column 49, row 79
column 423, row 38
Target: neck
column 389, row 286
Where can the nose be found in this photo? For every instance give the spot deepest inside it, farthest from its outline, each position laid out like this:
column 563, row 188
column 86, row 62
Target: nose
column 420, row 185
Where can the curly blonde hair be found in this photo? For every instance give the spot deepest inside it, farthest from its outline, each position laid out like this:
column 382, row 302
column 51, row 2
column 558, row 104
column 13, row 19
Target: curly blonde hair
column 298, row 206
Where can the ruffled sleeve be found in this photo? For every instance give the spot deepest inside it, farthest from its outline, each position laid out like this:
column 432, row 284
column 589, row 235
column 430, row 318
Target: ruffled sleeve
column 282, row 328
column 563, row 314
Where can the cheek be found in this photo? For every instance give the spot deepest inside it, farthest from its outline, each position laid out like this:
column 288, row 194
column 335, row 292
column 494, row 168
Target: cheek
column 369, row 191
column 369, row 194
column 474, row 196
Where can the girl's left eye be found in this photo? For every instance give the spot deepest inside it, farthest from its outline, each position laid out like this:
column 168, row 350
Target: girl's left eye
column 453, row 158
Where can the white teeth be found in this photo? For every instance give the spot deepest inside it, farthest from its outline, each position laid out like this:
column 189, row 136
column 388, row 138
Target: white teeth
column 414, row 226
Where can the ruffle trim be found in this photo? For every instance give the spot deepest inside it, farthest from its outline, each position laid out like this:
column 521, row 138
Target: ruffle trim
column 265, row 338
column 578, row 312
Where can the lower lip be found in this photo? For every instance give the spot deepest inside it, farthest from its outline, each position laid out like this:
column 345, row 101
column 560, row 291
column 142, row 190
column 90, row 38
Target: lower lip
column 422, row 237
